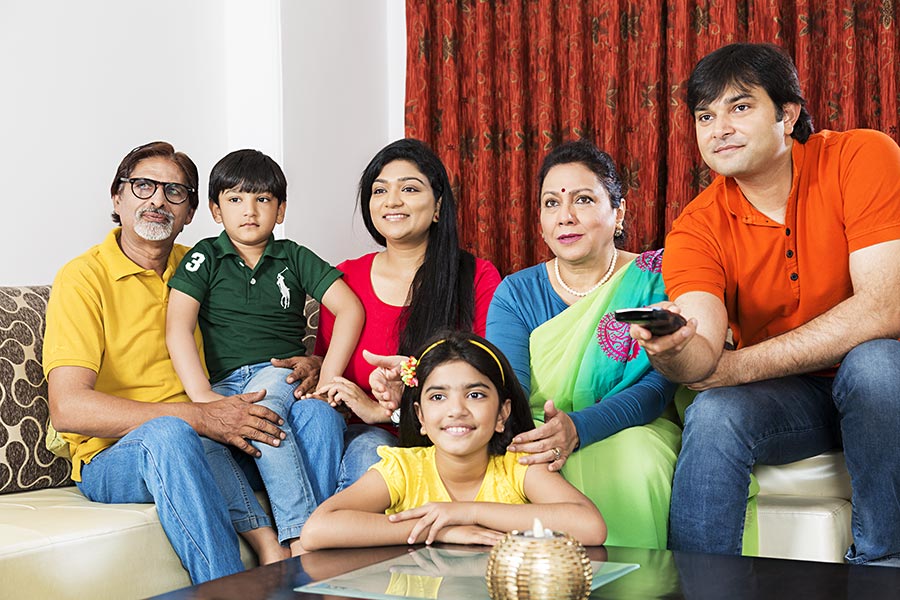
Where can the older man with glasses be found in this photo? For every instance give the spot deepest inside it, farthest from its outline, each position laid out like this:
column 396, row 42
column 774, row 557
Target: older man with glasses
column 132, row 433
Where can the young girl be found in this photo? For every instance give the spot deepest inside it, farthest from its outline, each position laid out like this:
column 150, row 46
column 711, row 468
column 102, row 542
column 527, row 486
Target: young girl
column 459, row 486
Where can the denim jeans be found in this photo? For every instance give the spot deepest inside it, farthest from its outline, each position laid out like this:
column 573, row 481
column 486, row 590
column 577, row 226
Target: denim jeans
column 361, row 444
column 728, row 430
column 200, row 492
column 343, row 453
column 318, row 431
column 282, row 467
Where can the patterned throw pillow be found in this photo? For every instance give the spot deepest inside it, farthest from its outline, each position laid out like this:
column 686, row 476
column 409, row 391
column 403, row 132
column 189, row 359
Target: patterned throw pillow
column 311, row 312
column 25, row 463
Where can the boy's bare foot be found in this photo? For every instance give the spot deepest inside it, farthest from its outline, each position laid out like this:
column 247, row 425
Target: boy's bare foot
column 264, row 542
column 273, row 554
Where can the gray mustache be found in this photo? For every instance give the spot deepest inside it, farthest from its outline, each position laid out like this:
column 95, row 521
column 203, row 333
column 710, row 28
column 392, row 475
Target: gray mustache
column 169, row 216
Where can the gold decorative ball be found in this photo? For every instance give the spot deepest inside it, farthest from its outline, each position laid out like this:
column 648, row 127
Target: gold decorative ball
column 523, row 567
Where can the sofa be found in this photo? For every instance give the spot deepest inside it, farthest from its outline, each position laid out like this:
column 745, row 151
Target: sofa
column 55, row 543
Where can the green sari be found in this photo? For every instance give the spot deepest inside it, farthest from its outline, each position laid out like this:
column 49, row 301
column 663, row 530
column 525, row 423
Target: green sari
column 583, row 355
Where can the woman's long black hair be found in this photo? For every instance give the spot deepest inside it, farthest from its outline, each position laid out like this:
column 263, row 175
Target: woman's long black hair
column 442, row 293
column 458, row 345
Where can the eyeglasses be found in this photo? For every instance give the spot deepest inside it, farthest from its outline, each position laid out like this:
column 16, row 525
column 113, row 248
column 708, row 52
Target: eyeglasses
column 143, row 188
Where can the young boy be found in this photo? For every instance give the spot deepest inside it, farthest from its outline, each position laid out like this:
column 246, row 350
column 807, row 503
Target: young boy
column 249, row 290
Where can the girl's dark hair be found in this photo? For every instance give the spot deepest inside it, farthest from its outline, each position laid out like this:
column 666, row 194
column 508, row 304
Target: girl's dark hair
column 442, row 293
column 253, row 171
column 153, row 150
column 595, row 160
column 747, row 65
column 458, row 345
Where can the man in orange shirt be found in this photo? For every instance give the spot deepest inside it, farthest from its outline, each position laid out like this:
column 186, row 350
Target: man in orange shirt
column 793, row 247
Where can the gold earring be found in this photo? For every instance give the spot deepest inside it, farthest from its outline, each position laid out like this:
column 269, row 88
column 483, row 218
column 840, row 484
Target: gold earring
column 620, row 230
column 422, row 430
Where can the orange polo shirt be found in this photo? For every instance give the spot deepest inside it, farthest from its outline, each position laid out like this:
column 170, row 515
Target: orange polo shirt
column 774, row 277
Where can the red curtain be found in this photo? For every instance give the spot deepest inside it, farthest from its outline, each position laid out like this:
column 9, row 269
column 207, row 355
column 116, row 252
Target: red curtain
column 493, row 85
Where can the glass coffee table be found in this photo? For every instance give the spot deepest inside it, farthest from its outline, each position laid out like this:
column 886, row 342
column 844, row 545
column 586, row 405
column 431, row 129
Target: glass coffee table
column 662, row 574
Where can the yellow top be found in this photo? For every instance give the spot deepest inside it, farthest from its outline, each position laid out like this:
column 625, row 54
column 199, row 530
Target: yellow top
column 412, row 477
column 108, row 314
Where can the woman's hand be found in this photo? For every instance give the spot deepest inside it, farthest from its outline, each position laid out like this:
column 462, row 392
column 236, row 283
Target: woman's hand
column 343, row 391
column 435, row 516
column 387, row 387
column 553, row 442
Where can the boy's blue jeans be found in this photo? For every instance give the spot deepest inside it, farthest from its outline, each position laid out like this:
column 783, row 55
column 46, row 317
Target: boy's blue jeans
column 200, row 492
column 728, row 430
column 319, row 456
column 283, row 468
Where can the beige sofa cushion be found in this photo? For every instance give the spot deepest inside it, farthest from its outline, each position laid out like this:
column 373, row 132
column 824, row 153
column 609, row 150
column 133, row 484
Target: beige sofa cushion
column 804, row 527
column 56, row 543
column 804, row 508
column 820, row 476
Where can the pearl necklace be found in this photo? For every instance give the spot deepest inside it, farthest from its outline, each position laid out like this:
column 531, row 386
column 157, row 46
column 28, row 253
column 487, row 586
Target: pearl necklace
column 609, row 272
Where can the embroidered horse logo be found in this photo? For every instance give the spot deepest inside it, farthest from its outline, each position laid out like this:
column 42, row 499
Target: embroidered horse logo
column 284, row 289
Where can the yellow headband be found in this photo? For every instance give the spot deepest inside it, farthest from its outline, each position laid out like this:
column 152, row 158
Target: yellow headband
column 475, row 343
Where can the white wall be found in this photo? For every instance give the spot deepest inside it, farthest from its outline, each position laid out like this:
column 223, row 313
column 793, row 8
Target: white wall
column 337, row 116
column 312, row 83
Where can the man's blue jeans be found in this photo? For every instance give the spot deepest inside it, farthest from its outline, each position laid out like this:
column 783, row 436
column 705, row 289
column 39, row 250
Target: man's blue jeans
column 200, row 492
column 283, row 468
column 343, row 453
column 728, row 430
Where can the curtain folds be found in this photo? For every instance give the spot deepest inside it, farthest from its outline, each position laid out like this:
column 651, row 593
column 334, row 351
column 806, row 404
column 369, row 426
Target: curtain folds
column 493, row 85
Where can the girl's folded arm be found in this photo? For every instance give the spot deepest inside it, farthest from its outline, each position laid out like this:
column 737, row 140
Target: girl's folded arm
column 561, row 507
column 355, row 518
column 552, row 499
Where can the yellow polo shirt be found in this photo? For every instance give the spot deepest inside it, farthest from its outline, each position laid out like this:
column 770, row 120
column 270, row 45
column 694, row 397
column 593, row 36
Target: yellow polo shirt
column 108, row 314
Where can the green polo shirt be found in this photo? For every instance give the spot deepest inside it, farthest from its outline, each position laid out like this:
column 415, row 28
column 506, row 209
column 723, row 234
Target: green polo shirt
column 248, row 316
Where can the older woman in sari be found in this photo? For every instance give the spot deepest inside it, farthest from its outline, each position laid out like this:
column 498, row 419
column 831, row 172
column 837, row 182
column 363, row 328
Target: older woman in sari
column 598, row 402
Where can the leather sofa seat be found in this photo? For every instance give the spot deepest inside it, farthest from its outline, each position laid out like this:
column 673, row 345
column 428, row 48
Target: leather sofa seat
column 55, row 539
column 804, row 508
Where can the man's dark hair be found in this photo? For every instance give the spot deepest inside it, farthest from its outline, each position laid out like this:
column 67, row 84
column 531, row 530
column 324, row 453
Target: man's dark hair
column 248, row 171
column 747, row 65
column 442, row 293
column 152, row 150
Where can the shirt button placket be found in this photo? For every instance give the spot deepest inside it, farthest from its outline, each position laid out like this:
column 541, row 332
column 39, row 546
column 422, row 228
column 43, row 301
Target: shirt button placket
column 790, row 254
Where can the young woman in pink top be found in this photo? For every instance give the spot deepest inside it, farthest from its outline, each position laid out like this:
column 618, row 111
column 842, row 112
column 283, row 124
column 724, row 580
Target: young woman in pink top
column 421, row 282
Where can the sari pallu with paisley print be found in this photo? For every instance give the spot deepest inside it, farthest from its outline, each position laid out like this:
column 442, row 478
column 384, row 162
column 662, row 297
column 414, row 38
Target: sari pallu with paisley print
column 583, row 355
